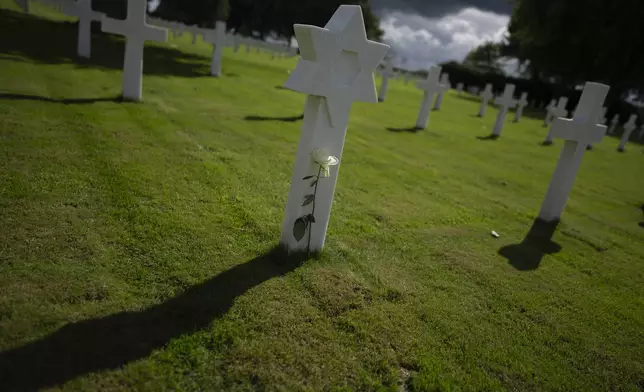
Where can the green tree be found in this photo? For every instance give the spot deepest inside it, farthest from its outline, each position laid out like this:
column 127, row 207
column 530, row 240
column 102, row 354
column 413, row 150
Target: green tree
column 485, row 57
column 574, row 41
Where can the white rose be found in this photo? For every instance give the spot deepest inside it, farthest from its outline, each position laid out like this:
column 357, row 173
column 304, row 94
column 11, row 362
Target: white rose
column 321, row 157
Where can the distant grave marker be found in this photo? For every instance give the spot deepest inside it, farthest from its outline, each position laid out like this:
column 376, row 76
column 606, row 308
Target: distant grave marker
column 217, row 38
column 613, row 123
column 554, row 112
column 521, row 104
column 577, row 132
column 82, row 9
column 430, row 87
column 136, row 31
column 629, row 127
column 444, row 86
column 384, row 84
column 486, row 95
column 506, row 102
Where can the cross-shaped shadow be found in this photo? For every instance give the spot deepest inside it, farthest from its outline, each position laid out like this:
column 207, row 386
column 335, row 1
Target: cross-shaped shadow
column 112, row 341
column 65, row 101
column 527, row 255
column 283, row 119
column 488, row 137
column 410, row 129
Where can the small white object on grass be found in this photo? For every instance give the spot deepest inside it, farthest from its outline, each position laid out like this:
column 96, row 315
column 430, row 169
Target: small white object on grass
column 495, row 234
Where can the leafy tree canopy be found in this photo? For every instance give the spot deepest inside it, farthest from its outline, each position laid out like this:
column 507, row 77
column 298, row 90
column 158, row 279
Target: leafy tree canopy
column 574, row 41
column 258, row 18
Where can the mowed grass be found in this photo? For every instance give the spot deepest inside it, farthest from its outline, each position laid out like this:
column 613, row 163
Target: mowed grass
column 136, row 238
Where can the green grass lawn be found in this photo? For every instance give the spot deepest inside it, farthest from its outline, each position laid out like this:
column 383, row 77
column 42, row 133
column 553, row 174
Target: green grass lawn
column 136, row 238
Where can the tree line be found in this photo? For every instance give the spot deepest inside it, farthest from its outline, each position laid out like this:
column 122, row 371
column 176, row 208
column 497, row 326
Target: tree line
column 256, row 18
column 573, row 41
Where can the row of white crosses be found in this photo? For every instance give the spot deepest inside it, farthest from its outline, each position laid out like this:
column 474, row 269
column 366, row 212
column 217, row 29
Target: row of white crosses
column 136, row 31
column 336, row 69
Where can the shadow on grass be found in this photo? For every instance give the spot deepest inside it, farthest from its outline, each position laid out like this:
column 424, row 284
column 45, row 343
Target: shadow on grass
column 283, row 119
column 51, row 42
column 409, row 129
column 112, row 341
column 488, row 137
column 546, row 143
column 66, row 101
column 527, row 255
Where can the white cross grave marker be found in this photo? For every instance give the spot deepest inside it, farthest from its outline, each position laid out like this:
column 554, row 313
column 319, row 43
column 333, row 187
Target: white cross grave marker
column 486, row 95
column 506, row 102
column 83, row 10
column 136, row 32
column 629, row 127
column 601, row 120
column 613, row 123
column 556, row 111
column 389, row 71
column 459, row 88
column 553, row 112
column 430, row 86
column 443, row 88
column 522, row 103
column 217, row 37
column 577, row 132
column 335, row 69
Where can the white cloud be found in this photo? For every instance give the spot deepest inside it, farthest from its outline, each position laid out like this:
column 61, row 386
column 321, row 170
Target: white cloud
column 422, row 41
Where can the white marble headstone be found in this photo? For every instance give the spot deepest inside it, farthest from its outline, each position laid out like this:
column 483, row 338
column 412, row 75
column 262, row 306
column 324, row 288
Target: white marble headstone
column 459, row 88
column 384, row 84
column 83, row 10
column 486, row 95
column 445, row 86
column 217, row 37
column 335, row 69
column 613, row 123
column 430, row 87
column 136, row 32
column 505, row 102
column 556, row 111
column 577, row 132
column 522, row 103
column 629, row 127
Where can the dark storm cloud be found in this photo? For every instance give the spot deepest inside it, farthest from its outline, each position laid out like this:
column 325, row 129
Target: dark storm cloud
column 439, row 8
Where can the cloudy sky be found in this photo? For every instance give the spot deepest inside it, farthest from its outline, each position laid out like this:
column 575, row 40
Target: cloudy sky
column 425, row 32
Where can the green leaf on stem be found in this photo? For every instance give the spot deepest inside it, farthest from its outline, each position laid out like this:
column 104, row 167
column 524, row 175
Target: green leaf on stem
column 308, row 199
column 299, row 229
column 310, row 218
column 308, row 177
column 313, row 183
